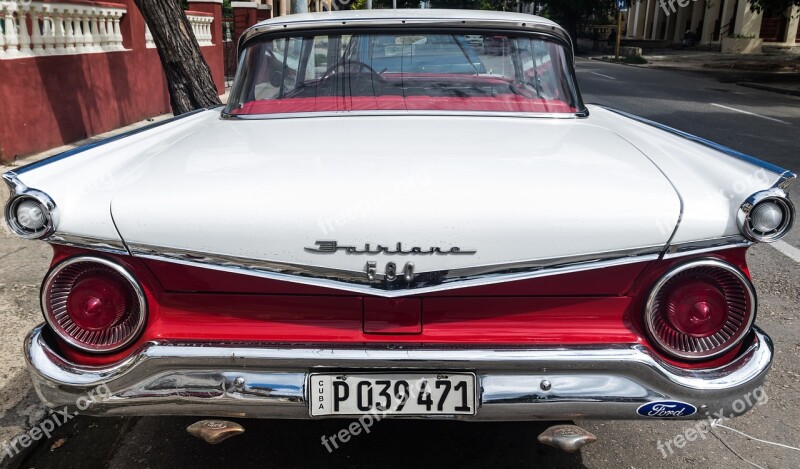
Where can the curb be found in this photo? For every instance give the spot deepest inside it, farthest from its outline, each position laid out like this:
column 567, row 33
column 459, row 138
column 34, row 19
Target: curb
column 774, row 89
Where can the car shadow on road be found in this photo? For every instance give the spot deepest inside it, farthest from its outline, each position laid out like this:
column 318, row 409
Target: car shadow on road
column 163, row 442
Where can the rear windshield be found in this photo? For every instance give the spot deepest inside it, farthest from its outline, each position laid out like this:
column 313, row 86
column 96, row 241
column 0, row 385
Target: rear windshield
column 404, row 71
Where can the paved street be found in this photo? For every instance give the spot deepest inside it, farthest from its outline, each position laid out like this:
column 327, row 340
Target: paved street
column 756, row 122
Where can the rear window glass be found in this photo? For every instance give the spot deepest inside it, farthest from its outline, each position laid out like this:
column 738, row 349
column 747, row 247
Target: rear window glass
column 414, row 72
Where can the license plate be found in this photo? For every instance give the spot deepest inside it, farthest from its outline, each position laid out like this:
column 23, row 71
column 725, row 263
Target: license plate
column 392, row 394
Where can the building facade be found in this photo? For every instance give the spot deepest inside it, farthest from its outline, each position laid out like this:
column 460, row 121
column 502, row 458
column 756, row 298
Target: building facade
column 76, row 68
column 712, row 22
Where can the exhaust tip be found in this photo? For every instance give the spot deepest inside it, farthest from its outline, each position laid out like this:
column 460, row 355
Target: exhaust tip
column 568, row 438
column 214, row 431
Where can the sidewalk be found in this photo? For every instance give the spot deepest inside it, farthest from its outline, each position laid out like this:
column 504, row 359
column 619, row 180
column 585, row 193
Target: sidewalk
column 704, row 60
column 776, row 72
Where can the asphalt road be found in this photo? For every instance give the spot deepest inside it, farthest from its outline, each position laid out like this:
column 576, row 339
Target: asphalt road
column 756, row 122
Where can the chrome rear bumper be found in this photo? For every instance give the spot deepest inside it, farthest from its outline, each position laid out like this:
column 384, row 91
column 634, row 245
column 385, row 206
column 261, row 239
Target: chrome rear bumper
column 609, row 382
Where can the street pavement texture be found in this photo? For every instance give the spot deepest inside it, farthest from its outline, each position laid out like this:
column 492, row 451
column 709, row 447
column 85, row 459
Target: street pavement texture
column 756, row 122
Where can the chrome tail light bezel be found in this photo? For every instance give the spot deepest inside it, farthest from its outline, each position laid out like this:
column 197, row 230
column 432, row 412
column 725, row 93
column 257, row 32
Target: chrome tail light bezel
column 652, row 313
column 21, row 193
column 54, row 309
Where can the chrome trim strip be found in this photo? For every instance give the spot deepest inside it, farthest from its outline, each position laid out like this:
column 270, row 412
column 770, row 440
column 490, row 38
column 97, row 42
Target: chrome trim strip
column 305, row 115
column 112, row 246
column 14, row 184
column 785, row 182
column 706, row 245
column 424, row 282
column 609, row 381
column 533, row 24
column 716, row 146
column 90, row 146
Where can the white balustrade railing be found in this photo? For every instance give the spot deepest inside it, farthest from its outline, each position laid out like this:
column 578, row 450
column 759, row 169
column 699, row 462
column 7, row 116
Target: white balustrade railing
column 201, row 27
column 30, row 28
column 228, row 33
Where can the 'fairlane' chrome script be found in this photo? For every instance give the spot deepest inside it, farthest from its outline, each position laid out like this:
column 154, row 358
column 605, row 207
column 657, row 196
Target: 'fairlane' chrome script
column 330, row 247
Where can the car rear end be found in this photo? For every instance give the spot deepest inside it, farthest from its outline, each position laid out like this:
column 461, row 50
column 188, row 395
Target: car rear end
column 535, row 280
column 604, row 343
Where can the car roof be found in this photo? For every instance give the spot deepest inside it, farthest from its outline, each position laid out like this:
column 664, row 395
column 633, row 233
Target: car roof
column 408, row 17
column 407, row 13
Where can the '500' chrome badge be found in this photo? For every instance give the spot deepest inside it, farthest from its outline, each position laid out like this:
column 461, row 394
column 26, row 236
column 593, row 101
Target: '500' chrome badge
column 391, row 272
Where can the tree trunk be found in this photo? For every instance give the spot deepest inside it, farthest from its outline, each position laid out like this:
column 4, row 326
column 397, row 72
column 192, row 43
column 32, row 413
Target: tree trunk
column 188, row 76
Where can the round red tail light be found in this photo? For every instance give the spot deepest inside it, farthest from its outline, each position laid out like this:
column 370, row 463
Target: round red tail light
column 93, row 304
column 700, row 310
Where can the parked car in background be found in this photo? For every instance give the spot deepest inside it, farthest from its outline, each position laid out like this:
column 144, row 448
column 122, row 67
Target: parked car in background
column 496, row 44
column 386, row 219
column 474, row 39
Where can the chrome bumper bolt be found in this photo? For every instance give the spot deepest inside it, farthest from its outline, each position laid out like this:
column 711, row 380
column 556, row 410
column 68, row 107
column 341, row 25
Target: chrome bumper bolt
column 545, row 385
column 238, row 383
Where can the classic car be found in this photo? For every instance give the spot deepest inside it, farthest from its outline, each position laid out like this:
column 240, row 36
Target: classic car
column 388, row 219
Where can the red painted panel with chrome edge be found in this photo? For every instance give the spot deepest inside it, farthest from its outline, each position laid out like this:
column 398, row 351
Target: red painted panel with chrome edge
column 296, row 314
column 602, row 281
column 571, row 320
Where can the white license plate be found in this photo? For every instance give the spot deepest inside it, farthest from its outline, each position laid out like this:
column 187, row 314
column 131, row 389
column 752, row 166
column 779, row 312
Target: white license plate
column 392, row 394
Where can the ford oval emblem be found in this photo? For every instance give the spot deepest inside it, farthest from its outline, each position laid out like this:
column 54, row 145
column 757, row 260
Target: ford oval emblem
column 666, row 409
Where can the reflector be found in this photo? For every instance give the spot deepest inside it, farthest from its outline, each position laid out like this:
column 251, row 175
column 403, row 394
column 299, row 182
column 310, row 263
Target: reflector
column 766, row 217
column 30, row 215
column 96, row 303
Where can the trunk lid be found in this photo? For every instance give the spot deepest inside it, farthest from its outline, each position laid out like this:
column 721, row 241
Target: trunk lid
column 509, row 189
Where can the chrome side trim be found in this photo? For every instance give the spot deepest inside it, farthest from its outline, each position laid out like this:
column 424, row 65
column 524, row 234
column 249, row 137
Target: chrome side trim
column 90, row 146
column 705, row 245
column 15, row 186
column 716, row 146
column 423, row 282
column 608, row 381
column 112, row 246
column 785, row 181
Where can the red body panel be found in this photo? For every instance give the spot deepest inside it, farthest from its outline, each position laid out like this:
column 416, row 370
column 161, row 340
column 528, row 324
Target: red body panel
column 597, row 282
column 601, row 306
column 392, row 315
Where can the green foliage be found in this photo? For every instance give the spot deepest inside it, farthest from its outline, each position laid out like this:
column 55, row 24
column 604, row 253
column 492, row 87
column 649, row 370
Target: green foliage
column 379, row 4
column 571, row 14
column 496, row 5
column 772, row 7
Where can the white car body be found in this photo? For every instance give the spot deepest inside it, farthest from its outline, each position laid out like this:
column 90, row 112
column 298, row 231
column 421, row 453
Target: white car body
column 561, row 188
